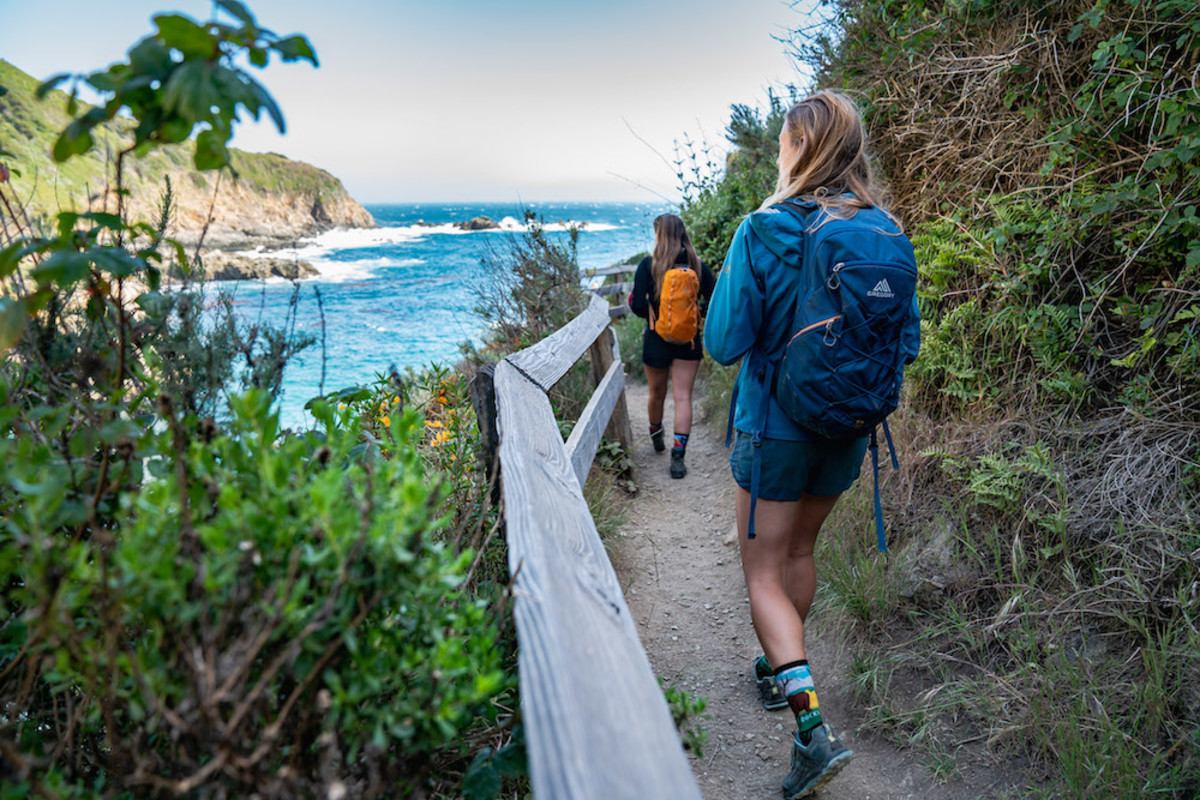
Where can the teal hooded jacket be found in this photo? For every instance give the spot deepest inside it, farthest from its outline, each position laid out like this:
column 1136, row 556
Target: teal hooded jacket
column 751, row 312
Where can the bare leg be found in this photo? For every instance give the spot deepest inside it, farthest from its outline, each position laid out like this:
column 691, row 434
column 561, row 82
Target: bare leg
column 683, row 377
column 656, row 378
column 779, row 569
column 801, row 576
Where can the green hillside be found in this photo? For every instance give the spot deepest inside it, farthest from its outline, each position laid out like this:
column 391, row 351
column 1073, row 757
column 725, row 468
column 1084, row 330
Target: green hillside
column 1041, row 608
column 29, row 127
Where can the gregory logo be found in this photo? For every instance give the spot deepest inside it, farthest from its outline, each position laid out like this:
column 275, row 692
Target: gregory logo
column 881, row 290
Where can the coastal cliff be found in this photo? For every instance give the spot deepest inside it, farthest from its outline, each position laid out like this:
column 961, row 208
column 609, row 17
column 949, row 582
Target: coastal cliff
column 266, row 199
column 271, row 201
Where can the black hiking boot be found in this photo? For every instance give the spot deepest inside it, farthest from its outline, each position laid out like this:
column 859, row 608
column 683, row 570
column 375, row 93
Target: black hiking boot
column 678, row 468
column 657, row 439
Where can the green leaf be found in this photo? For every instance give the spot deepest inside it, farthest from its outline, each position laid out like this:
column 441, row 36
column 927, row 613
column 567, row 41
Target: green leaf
column 74, row 140
column 13, row 317
column 38, row 300
column 103, row 81
column 187, row 91
column 66, row 223
column 10, row 257
column 175, row 129
column 103, row 220
column 482, row 781
column 181, row 257
column 115, row 261
column 210, row 150
column 65, row 268
column 151, row 57
column 153, row 277
column 119, row 429
column 272, row 108
column 238, row 10
column 50, row 486
column 154, row 305
column 294, row 48
column 51, row 84
column 185, row 35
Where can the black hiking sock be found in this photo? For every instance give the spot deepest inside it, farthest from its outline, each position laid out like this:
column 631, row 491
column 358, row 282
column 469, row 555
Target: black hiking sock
column 796, row 680
column 656, row 436
column 680, row 444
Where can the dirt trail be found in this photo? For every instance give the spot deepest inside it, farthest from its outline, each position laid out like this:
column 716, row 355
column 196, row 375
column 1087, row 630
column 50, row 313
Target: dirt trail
column 678, row 562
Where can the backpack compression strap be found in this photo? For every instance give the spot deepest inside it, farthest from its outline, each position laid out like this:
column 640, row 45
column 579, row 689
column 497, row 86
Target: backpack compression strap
column 874, row 446
column 756, row 441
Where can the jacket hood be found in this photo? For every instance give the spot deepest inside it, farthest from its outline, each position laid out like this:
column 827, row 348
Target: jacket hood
column 781, row 232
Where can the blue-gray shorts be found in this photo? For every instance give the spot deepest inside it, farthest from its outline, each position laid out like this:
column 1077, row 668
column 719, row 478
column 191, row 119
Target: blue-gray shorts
column 790, row 470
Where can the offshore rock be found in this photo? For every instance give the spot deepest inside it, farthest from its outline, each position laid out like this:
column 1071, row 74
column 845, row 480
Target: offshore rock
column 478, row 224
column 219, row 266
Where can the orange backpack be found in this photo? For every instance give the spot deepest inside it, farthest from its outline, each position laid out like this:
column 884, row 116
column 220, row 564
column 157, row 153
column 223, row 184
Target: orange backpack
column 678, row 306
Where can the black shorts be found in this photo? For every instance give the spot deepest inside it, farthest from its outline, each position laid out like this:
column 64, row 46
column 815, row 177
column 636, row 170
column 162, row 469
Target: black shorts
column 659, row 353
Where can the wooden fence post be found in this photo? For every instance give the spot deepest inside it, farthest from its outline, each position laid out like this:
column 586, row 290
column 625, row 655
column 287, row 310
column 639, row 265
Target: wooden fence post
column 483, row 398
column 604, row 351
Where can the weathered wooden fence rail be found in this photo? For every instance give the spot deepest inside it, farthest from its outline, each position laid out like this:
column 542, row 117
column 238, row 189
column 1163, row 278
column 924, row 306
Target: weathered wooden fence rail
column 596, row 722
column 621, row 286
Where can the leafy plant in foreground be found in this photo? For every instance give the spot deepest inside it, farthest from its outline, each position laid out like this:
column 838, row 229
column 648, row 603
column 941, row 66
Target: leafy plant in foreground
column 197, row 602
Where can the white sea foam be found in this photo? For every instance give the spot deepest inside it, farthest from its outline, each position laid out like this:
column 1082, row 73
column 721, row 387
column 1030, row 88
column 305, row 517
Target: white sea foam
column 316, row 250
column 343, row 239
column 358, row 270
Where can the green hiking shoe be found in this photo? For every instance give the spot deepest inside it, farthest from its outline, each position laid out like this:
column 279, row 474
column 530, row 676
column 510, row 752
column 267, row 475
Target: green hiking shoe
column 814, row 764
column 768, row 688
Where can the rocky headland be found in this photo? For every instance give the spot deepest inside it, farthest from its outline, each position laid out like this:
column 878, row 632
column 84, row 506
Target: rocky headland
column 263, row 199
column 270, row 202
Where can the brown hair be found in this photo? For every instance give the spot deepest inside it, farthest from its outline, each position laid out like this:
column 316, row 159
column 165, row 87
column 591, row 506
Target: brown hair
column 670, row 236
column 831, row 159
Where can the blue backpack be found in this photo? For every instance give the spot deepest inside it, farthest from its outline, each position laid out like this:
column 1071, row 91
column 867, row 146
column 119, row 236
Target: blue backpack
column 840, row 373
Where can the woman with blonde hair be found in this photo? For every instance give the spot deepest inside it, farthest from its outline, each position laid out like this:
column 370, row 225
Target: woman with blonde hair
column 663, row 360
column 789, row 477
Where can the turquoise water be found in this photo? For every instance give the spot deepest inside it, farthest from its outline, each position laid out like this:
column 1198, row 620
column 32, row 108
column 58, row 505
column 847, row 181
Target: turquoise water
column 404, row 293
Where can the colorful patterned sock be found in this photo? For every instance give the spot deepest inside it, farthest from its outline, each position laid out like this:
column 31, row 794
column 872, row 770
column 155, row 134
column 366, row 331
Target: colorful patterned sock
column 680, row 445
column 655, row 428
column 797, row 683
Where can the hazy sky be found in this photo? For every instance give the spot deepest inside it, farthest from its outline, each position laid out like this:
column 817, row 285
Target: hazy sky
column 470, row 99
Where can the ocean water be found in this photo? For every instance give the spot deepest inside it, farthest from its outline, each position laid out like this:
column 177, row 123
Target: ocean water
column 404, row 293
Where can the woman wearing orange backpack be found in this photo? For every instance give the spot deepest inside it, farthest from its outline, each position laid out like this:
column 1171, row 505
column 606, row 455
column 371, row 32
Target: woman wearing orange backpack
column 670, row 289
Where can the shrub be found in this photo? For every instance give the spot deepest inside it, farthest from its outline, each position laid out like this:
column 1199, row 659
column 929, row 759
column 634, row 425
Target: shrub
column 196, row 601
column 269, row 614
